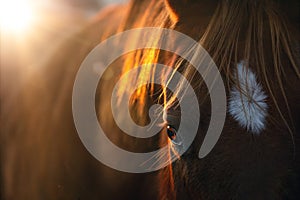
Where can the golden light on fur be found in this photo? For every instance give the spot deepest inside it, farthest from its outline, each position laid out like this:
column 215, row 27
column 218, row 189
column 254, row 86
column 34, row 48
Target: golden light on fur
column 45, row 157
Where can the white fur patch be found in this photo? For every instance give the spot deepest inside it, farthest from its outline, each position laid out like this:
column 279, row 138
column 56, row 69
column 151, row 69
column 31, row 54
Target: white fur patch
column 248, row 107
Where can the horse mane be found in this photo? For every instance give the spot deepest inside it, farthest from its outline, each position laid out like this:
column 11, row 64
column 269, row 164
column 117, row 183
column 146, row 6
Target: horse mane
column 41, row 127
column 258, row 32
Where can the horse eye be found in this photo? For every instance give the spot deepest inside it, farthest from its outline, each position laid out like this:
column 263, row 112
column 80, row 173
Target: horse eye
column 171, row 132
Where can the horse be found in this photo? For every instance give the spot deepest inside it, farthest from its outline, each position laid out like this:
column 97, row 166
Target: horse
column 254, row 44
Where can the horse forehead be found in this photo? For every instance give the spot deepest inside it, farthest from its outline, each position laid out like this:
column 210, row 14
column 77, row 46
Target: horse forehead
column 191, row 9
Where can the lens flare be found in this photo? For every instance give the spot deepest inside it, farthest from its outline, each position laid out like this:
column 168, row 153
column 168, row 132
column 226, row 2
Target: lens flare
column 15, row 15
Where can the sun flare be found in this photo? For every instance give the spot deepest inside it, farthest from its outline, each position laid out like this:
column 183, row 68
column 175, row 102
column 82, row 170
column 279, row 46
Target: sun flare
column 15, row 15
